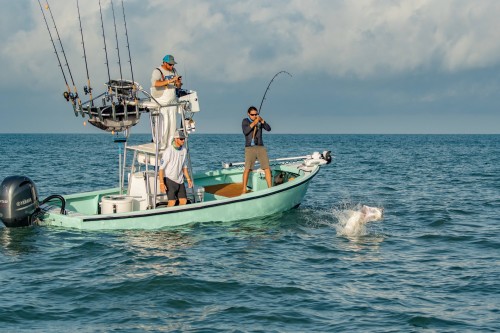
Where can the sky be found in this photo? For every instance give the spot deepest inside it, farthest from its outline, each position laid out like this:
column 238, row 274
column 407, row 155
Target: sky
column 358, row 67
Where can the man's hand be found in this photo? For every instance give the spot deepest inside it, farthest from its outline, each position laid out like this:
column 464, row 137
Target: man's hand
column 256, row 121
column 178, row 81
column 163, row 188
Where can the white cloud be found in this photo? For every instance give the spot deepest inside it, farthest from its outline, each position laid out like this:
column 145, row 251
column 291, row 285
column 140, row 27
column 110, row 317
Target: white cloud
column 240, row 40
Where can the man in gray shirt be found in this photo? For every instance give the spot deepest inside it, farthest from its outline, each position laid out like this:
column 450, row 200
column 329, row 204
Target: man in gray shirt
column 173, row 169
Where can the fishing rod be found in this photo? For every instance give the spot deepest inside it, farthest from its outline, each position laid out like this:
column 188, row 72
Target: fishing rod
column 87, row 89
column 104, row 38
column 130, row 62
column 128, row 45
column 67, row 93
column 64, row 54
column 269, row 85
column 262, row 101
column 116, row 37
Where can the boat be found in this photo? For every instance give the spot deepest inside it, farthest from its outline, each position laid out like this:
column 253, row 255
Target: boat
column 216, row 196
column 137, row 203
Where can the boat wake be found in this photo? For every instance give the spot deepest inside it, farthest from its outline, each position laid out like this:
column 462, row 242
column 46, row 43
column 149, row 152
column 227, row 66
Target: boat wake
column 352, row 222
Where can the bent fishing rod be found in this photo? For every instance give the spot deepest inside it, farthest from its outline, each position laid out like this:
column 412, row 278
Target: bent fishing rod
column 268, row 86
column 263, row 98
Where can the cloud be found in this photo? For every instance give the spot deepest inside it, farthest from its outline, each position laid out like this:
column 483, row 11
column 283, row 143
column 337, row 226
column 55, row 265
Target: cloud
column 361, row 56
column 238, row 41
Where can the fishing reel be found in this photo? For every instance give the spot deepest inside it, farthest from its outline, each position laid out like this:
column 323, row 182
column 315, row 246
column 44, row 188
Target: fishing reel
column 87, row 90
column 70, row 96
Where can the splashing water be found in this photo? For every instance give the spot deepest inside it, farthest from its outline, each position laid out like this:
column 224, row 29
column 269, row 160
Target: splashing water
column 352, row 221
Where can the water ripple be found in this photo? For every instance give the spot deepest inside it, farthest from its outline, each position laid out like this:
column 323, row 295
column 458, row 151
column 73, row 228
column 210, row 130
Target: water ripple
column 430, row 265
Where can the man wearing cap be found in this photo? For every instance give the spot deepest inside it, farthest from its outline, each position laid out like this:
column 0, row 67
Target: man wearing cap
column 173, row 169
column 164, row 81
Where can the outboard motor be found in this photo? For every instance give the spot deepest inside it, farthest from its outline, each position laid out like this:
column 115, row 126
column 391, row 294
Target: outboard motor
column 18, row 201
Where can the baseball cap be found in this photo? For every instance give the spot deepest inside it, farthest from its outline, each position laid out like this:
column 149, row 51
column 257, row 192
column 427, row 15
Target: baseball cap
column 169, row 59
column 179, row 134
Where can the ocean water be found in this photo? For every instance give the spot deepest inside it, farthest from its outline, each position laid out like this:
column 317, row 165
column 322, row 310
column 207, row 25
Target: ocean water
column 431, row 265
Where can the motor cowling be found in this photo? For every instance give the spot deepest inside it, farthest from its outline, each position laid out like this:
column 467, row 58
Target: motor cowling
column 18, row 201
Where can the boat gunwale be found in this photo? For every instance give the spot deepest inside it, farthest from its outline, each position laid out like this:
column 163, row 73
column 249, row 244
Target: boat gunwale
column 201, row 205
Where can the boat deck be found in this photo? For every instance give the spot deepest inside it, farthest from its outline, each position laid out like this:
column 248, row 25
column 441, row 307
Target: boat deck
column 225, row 190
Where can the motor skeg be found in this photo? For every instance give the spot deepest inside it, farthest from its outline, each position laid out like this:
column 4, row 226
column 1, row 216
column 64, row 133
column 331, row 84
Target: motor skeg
column 18, row 201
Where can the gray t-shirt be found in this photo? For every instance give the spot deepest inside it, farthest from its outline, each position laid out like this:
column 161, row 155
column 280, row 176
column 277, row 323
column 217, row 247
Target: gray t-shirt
column 173, row 161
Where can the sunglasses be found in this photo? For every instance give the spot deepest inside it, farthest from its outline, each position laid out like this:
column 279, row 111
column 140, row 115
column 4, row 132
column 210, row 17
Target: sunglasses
column 253, row 114
column 182, row 139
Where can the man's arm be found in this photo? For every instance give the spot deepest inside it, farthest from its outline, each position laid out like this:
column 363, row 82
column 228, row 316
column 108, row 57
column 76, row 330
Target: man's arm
column 163, row 186
column 248, row 126
column 160, row 83
column 157, row 79
column 186, row 175
column 161, row 171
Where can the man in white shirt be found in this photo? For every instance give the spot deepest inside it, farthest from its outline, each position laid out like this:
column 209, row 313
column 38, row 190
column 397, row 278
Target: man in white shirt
column 164, row 81
column 173, row 169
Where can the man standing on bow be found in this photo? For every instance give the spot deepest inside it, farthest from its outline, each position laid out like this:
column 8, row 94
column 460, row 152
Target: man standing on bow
column 173, row 169
column 254, row 146
column 164, row 81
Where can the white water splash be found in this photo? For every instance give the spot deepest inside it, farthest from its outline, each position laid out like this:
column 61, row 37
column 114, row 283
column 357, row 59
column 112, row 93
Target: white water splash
column 352, row 222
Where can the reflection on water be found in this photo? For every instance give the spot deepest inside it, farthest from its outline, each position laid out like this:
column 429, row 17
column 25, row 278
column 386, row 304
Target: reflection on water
column 156, row 252
column 160, row 243
column 18, row 241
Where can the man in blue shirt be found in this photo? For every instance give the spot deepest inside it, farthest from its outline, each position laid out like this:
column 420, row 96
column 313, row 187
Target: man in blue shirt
column 254, row 146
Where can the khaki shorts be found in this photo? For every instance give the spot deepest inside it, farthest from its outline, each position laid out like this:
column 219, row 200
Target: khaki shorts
column 255, row 153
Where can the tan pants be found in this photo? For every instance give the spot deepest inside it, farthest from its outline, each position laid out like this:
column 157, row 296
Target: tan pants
column 255, row 153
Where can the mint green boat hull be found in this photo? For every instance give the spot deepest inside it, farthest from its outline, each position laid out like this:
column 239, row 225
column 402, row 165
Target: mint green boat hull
column 82, row 209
